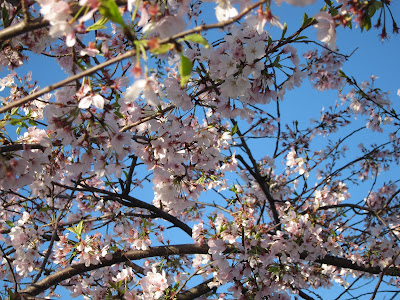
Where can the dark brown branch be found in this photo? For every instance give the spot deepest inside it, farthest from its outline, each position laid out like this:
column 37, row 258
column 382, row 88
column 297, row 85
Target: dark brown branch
column 305, row 296
column 348, row 264
column 17, row 147
column 133, row 202
column 118, row 257
column 196, row 291
column 184, row 249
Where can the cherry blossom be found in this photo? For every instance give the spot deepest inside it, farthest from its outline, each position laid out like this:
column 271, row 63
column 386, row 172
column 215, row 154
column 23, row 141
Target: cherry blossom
column 296, row 2
column 326, row 31
column 154, row 284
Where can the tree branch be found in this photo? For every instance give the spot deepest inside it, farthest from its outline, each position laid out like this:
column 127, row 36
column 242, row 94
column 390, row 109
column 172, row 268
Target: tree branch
column 183, row 249
column 130, row 201
column 21, row 28
column 196, row 291
column 61, row 83
column 117, row 257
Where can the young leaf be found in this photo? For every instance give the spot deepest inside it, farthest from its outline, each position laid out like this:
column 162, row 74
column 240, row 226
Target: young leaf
column 14, row 111
column 305, row 18
column 10, row 223
column 110, row 10
column 164, row 48
column 185, row 69
column 72, row 229
column 79, row 228
column 99, row 24
column 196, row 38
column 366, row 22
column 234, row 129
column 284, row 30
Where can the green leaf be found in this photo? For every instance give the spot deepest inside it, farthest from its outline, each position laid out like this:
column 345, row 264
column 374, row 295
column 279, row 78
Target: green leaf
column 44, row 209
column 305, row 18
column 18, row 131
column 15, row 121
column 234, row 129
column 333, row 11
column 377, row 4
column 185, row 69
column 10, row 223
column 99, row 24
column 164, row 48
column 349, row 24
column 4, row 14
column 366, row 23
column 110, row 10
column 196, row 38
column 342, row 74
column 11, row 295
column 371, row 11
column 118, row 114
column 72, row 229
column 274, row 269
column 14, row 111
column 276, row 61
column 78, row 229
column 270, row 41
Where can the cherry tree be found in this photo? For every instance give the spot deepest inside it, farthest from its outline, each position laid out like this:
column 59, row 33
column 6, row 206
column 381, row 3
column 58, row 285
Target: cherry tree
column 164, row 167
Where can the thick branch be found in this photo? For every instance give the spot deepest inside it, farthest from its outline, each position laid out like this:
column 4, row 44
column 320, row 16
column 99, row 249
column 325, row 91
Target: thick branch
column 118, row 257
column 196, row 291
column 17, row 147
column 183, row 249
column 348, row 264
column 21, row 28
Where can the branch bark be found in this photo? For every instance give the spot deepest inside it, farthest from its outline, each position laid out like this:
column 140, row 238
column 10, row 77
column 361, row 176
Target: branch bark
column 21, row 28
column 183, row 249
column 118, row 257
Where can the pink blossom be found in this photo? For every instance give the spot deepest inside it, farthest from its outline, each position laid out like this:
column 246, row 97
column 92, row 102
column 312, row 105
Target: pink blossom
column 154, row 284
column 296, row 2
column 326, row 31
column 90, row 51
column 92, row 99
column 224, row 11
column 148, row 87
